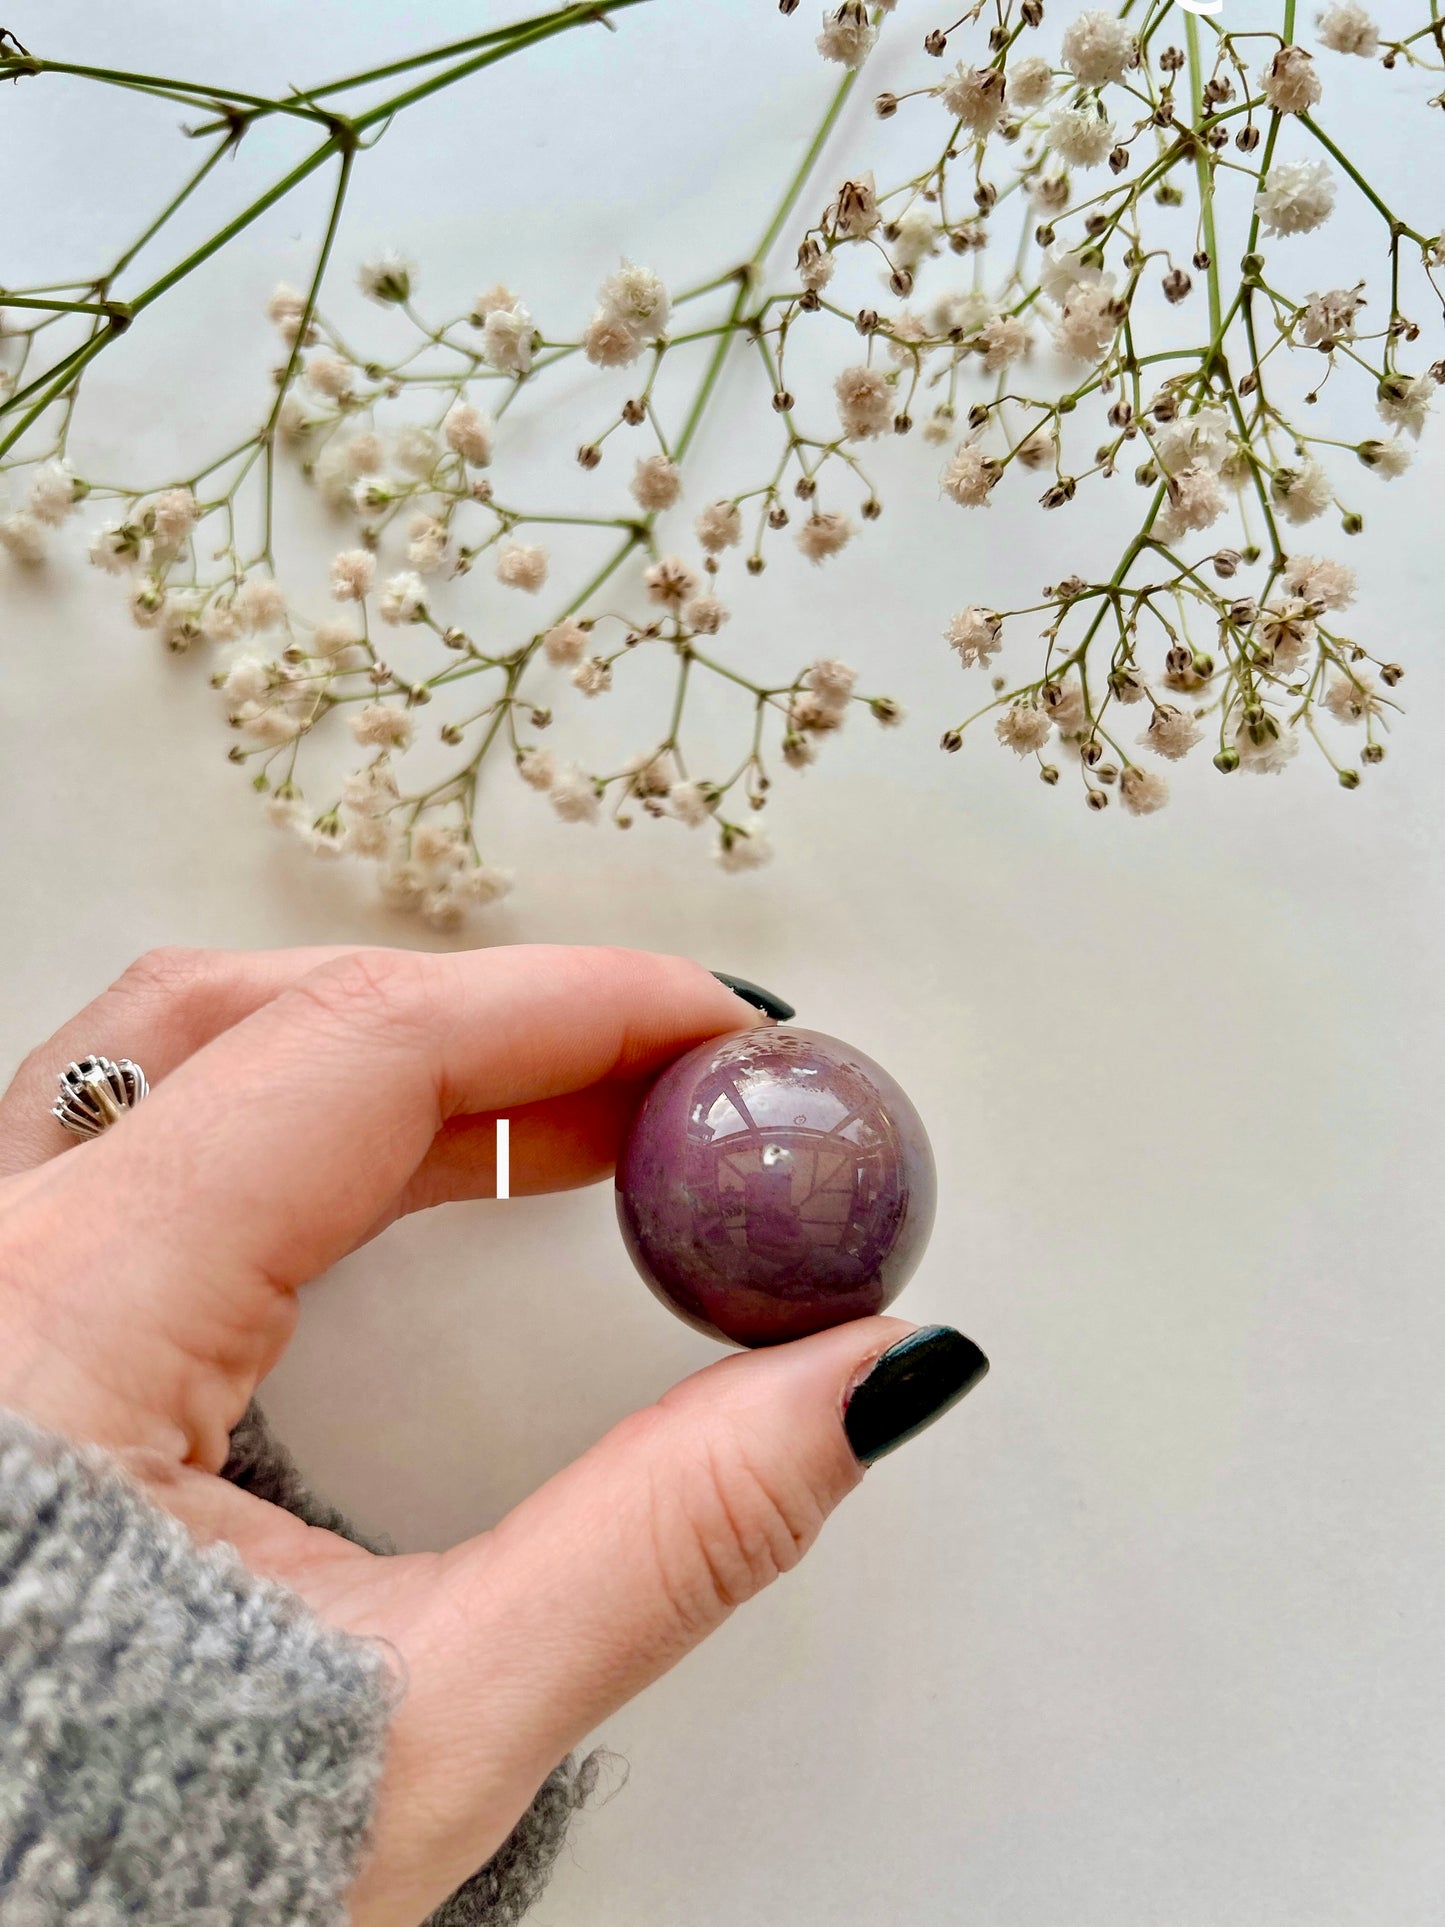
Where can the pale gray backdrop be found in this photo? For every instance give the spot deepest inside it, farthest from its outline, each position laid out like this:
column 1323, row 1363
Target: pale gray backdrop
column 1151, row 1631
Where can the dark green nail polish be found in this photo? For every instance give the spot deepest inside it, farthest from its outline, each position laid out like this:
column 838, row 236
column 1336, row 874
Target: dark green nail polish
column 912, row 1384
column 754, row 994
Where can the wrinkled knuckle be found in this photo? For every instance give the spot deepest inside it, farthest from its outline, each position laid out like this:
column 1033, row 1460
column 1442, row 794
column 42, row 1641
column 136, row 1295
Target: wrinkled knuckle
column 377, row 989
column 738, row 1525
column 161, row 975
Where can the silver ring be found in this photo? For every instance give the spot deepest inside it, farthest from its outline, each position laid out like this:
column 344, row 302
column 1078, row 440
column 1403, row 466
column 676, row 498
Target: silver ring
column 95, row 1092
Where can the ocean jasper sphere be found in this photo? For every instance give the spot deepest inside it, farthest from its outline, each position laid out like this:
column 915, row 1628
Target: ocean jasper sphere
column 775, row 1182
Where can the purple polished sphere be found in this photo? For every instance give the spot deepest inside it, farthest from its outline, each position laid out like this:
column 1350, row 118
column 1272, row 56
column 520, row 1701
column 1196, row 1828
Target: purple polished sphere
column 774, row 1183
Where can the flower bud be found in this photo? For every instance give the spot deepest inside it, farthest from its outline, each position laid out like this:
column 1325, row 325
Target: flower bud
column 1373, row 753
column 951, row 740
column 885, row 106
column 1227, row 759
column 936, row 44
column 589, row 455
column 1349, row 779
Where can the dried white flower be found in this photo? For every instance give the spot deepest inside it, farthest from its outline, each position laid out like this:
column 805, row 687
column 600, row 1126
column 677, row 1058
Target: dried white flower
column 1285, row 633
column 1351, row 697
column 1200, row 440
column 565, row 642
column 115, row 547
column 1328, row 319
column 1172, row 732
column 522, row 565
column 574, row 796
column 1346, row 28
column 1142, row 791
column 914, row 236
column 670, row 581
column 352, row 574
column 656, row 483
column 974, row 95
column 259, row 604
column 1289, row 83
column 720, row 526
column 382, row 726
column 387, row 279
column 173, row 514
column 1194, row 500
column 970, row 475
column 1030, row 81
column 403, row 598
column 426, row 545
column 1004, row 341
column 1404, row 401
column 1089, row 320
column 1300, row 494
column 854, row 209
column 832, row 680
column 1098, row 48
column 1389, row 459
column 1024, row 727
column 53, row 493
column 538, row 768
column 689, row 803
column 507, row 338
column 637, row 299
column 743, row 846
column 1296, row 197
column 847, row 35
column 865, row 402
column 469, row 433
column 610, row 343
column 1265, row 745
column 704, row 615
column 977, row 635
column 1321, row 580
column 824, row 533
column 592, row 676
column 330, row 375
column 1080, row 132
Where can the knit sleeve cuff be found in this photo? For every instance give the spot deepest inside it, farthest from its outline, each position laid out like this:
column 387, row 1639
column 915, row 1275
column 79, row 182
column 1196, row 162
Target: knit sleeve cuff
column 180, row 1740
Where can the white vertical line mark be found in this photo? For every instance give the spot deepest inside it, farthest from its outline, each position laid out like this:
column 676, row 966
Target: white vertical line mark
column 504, row 1157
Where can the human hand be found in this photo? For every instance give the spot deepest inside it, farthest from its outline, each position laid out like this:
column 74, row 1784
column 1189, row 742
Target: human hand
column 301, row 1101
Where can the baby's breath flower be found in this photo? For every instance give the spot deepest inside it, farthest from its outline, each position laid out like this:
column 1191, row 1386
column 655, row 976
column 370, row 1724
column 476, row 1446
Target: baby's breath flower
column 1346, row 28
column 847, row 35
column 288, row 810
column 507, row 336
column 720, row 526
column 147, row 599
column 1098, row 48
column 854, row 209
column 173, row 514
column 637, row 299
column 1389, row 459
column 1005, row 340
column 1296, row 197
column 403, row 598
column 1194, row 501
column 1300, row 494
column 670, row 581
column 352, row 574
column 656, row 483
column 115, row 547
column 1404, row 401
column 330, row 375
column 1066, row 705
column 1264, row 744
column 387, row 279
column 220, row 623
column 285, row 308
column 483, row 883
column 704, row 615
column 249, row 678
column 1030, row 82
column 824, row 533
column 743, row 846
column 426, row 544
column 469, row 433
column 259, row 604
column 977, row 635
column 688, row 802
column 1320, row 579
column 1089, row 320
column 1172, row 732
column 1285, row 633
column 913, row 237
column 54, row 493
column 537, row 768
column 522, row 565
column 1024, row 727
column 574, row 796
column 815, row 266
column 382, row 726
column 610, row 343
column 1328, row 319
column 1142, row 791
column 865, row 402
column 1080, row 132
column 1193, row 441
column 1289, row 83
column 592, row 676
column 832, row 680
column 1351, row 698
column 565, row 642
column 970, row 475
column 974, row 95
column 415, row 450
column 332, row 639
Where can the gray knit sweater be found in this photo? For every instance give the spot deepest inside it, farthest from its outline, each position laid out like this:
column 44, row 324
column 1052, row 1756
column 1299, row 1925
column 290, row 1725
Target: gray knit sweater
column 183, row 1744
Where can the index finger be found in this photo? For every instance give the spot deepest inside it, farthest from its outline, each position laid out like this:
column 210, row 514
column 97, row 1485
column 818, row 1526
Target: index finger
column 274, row 1148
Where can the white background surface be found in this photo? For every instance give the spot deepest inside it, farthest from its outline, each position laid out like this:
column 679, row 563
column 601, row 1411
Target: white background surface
column 1150, row 1632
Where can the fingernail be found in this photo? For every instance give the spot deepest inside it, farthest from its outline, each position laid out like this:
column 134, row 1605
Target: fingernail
column 912, row 1384
column 754, row 994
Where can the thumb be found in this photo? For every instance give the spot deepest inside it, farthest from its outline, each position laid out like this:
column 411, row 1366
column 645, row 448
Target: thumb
column 612, row 1571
